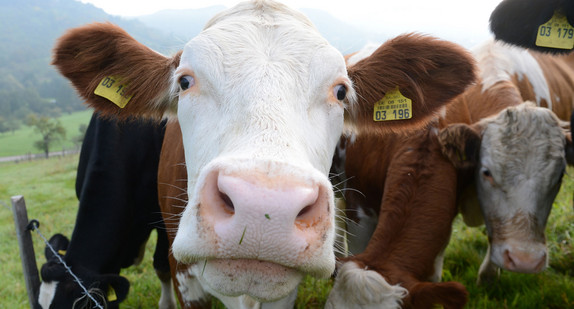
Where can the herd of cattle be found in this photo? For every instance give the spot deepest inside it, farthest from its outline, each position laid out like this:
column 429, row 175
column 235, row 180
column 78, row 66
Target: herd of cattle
column 263, row 115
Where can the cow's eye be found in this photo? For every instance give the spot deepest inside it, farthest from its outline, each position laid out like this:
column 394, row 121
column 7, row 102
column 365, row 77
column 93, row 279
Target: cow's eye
column 340, row 92
column 186, row 82
column 487, row 175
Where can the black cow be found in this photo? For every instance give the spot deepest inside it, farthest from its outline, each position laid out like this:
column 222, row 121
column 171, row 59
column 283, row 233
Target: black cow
column 116, row 186
column 518, row 21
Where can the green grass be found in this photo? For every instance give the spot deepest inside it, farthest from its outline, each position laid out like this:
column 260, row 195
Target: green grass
column 48, row 187
column 22, row 140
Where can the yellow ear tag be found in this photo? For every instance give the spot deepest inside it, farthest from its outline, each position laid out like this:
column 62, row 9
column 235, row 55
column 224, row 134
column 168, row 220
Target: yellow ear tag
column 556, row 33
column 112, row 294
column 393, row 106
column 112, row 88
column 62, row 252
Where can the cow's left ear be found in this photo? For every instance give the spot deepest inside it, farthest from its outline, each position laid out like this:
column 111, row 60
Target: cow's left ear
column 114, row 73
column 428, row 71
column 460, row 143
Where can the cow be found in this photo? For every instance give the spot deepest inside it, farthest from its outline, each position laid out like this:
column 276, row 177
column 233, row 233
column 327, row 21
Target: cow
column 116, row 186
column 261, row 99
column 509, row 76
column 402, row 193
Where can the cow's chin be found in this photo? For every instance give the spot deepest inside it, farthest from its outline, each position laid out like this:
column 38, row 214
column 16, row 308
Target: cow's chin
column 264, row 281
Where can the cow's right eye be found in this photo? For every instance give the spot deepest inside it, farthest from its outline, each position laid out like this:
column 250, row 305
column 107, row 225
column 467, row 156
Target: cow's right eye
column 487, row 175
column 186, row 82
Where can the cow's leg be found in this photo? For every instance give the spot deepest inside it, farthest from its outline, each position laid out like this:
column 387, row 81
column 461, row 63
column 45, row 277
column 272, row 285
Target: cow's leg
column 360, row 232
column 167, row 299
column 162, row 269
column 488, row 271
column 438, row 263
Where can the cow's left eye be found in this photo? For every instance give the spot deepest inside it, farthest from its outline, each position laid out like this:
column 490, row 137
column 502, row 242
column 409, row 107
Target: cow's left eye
column 186, row 82
column 340, row 92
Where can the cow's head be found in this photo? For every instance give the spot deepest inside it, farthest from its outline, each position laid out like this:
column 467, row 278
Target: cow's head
column 260, row 97
column 59, row 289
column 518, row 160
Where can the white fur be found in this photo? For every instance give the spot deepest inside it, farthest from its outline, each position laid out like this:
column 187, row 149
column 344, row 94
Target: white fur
column 47, row 293
column 499, row 62
column 262, row 101
column 359, row 288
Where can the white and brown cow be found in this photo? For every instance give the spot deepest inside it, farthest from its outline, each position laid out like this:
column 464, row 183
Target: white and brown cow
column 261, row 99
column 517, row 165
column 403, row 191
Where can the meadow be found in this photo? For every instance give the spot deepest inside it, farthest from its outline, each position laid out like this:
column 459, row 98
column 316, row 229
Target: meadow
column 48, row 187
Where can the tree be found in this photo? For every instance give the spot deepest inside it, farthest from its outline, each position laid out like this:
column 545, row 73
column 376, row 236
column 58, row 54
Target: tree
column 51, row 130
column 78, row 139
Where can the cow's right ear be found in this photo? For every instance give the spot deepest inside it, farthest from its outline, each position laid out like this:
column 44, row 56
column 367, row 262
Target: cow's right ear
column 102, row 58
column 460, row 143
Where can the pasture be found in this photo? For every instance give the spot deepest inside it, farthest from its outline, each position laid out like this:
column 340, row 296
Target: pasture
column 48, row 187
column 22, row 140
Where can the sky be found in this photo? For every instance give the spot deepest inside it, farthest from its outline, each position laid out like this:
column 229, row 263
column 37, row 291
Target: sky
column 462, row 21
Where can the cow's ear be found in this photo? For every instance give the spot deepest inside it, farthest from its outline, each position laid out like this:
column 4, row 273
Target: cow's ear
column 102, row 58
column 428, row 71
column 59, row 243
column 117, row 287
column 460, row 143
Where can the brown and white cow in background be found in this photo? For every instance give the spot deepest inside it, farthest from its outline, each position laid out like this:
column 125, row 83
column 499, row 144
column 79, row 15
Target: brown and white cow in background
column 261, row 98
column 517, row 167
column 518, row 22
column 403, row 184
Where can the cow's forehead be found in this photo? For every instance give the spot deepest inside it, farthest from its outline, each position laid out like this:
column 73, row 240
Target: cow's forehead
column 522, row 143
column 255, row 35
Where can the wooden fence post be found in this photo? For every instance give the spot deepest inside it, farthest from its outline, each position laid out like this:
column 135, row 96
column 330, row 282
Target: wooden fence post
column 26, row 249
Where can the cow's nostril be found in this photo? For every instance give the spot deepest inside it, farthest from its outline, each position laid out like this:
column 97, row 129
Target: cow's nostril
column 228, row 204
column 304, row 211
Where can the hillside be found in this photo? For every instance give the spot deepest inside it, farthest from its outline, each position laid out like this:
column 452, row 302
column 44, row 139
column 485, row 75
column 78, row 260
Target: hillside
column 28, row 83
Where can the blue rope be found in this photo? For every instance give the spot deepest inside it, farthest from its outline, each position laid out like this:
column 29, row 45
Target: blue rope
column 34, row 226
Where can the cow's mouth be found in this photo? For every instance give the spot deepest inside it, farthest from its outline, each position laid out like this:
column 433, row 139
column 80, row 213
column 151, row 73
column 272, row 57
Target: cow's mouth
column 262, row 280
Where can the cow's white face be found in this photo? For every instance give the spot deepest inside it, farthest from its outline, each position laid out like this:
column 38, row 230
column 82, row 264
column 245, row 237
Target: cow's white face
column 518, row 176
column 260, row 109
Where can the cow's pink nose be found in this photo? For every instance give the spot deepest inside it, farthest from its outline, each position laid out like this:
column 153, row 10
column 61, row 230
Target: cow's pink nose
column 525, row 261
column 268, row 209
column 289, row 199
